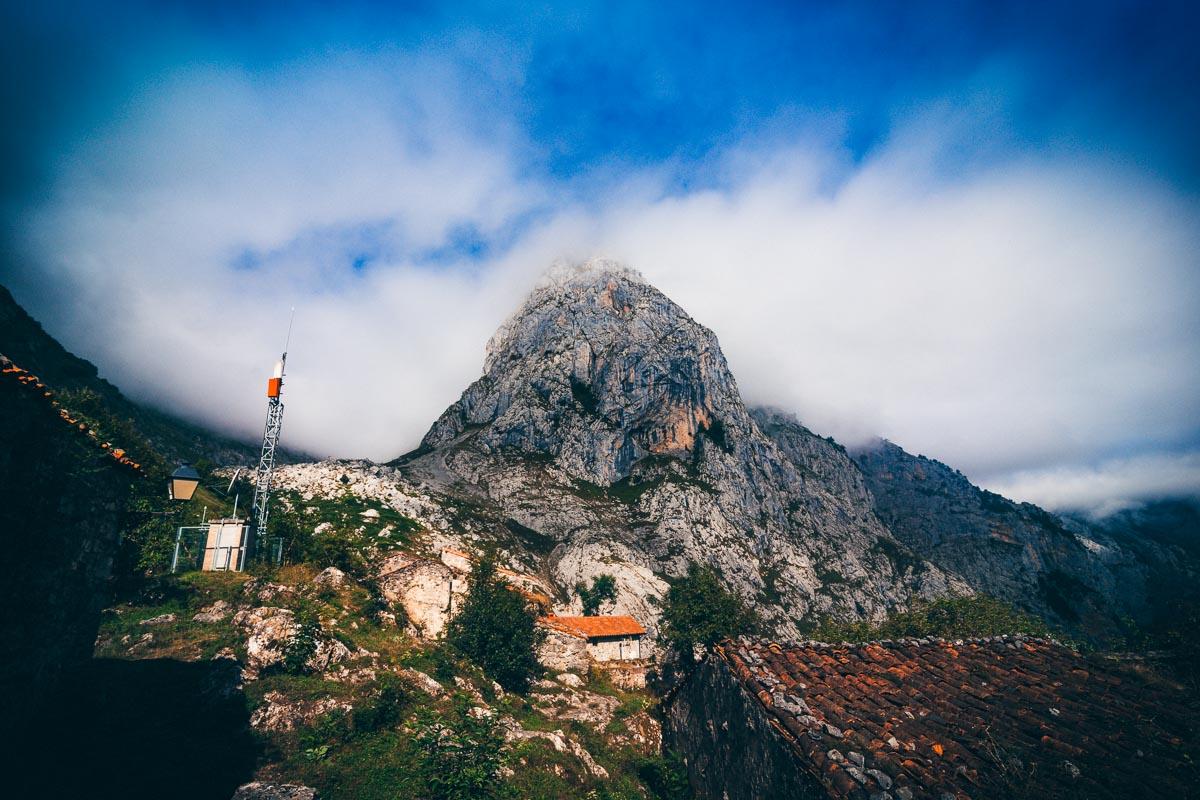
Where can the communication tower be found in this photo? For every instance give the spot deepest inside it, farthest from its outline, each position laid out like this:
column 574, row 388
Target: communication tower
column 260, row 510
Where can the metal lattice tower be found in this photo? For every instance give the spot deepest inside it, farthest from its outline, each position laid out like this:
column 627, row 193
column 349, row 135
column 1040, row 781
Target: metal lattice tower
column 266, row 462
column 266, row 465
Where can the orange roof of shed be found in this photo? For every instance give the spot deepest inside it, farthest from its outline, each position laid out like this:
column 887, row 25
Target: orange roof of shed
column 594, row 627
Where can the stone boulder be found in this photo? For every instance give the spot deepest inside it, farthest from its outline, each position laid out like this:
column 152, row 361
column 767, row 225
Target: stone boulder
column 561, row 742
column 428, row 591
column 265, row 591
column 268, row 632
column 275, row 791
column 330, row 578
column 278, row 714
column 594, row 710
column 213, row 613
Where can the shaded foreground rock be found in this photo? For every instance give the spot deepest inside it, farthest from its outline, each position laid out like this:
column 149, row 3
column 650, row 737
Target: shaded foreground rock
column 275, row 791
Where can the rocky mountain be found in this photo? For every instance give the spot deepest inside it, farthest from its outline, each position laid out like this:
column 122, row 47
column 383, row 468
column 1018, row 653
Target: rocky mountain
column 608, row 428
column 24, row 340
column 1065, row 569
column 607, row 421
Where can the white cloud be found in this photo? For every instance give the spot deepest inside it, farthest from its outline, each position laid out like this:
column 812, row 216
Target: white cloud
column 1108, row 487
column 1005, row 320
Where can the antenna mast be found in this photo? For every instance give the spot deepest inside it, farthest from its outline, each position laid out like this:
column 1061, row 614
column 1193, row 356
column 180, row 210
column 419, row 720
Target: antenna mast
column 260, row 510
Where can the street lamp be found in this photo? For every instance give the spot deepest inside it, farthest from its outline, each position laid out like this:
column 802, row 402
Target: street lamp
column 183, row 482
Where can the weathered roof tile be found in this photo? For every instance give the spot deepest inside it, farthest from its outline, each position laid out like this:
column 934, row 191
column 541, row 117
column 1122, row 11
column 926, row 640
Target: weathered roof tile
column 972, row 718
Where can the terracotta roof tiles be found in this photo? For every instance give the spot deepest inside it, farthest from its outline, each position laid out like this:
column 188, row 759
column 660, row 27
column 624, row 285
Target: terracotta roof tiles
column 594, row 627
column 979, row 718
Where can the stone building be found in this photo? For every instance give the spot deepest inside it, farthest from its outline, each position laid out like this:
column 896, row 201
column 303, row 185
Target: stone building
column 614, row 645
column 62, row 496
column 999, row 717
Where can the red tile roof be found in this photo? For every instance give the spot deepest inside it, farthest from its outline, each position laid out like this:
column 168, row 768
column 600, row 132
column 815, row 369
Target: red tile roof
column 594, row 627
column 31, row 384
column 995, row 717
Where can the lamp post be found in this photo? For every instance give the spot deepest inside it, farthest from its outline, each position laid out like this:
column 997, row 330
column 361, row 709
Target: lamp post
column 183, row 482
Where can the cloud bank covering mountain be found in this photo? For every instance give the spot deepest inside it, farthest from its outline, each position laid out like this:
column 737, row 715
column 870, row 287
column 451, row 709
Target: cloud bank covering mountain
column 1025, row 313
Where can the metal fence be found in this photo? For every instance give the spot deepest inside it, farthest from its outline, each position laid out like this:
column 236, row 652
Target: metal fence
column 190, row 544
column 192, row 552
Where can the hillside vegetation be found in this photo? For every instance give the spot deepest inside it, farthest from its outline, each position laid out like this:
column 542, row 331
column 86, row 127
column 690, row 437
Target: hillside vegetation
column 395, row 715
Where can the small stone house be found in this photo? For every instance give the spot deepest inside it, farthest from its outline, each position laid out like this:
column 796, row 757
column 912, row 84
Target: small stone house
column 607, row 638
column 577, row 644
column 997, row 717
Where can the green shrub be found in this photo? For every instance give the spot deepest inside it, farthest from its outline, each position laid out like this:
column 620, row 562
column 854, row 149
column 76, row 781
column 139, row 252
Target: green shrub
column 603, row 589
column 387, row 708
column 949, row 617
column 460, row 754
column 303, row 643
column 699, row 610
column 331, row 728
column 496, row 629
column 665, row 777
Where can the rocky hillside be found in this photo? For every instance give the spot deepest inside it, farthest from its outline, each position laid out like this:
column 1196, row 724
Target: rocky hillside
column 608, row 434
column 1065, row 570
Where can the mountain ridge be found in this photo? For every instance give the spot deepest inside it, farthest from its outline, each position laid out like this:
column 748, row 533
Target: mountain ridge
column 26, row 342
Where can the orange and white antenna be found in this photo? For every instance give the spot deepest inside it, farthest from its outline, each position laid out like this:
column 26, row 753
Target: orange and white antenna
column 260, row 511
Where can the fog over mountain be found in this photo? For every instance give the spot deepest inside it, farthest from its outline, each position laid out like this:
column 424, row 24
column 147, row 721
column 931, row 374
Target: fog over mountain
column 1026, row 314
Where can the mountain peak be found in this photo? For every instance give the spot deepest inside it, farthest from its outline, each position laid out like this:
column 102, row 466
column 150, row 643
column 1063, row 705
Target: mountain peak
column 598, row 370
column 595, row 286
column 593, row 271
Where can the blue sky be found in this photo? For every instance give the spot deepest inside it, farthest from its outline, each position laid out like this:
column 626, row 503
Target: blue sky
column 1013, row 184
column 600, row 86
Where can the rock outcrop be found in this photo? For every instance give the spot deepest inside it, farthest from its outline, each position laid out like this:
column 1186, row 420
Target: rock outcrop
column 268, row 632
column 259, row 790
column 428, row 591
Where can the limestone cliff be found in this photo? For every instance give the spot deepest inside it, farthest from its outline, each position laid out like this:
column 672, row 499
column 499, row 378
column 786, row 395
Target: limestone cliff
column 607, row 421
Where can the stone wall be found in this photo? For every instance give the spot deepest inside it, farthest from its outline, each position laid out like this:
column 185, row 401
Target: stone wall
column 61, row 500
column 624, row 674
column 615, row 648
column 561, row 652
column 730, row 750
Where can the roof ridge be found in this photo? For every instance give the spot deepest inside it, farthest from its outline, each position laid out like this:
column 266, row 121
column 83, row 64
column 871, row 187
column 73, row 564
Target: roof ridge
column 904, row 640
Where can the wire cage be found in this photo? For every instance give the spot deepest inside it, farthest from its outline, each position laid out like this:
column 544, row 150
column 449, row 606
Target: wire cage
column 222, row 545
column 189, row 548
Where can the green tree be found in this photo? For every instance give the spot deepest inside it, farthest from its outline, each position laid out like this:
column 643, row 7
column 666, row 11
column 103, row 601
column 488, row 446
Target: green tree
column 302, row 645
column 699, row 610
column 603, row 589
column 947, row 617
column 496, row 629
column 460, row 753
